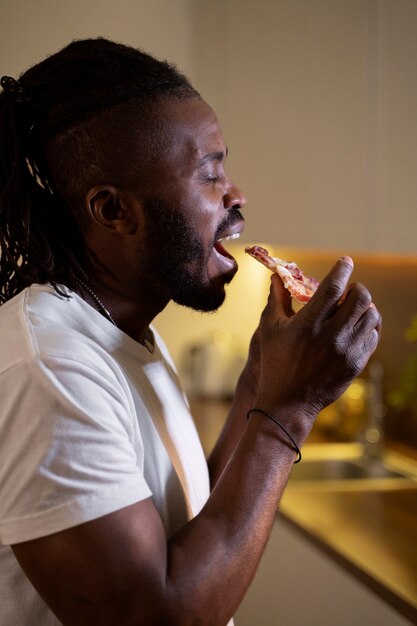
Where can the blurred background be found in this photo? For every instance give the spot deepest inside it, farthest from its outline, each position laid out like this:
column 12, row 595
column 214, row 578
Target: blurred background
column 317, row 100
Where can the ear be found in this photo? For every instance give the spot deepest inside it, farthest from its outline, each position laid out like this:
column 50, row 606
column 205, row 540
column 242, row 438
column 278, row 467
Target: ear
column 113, row 208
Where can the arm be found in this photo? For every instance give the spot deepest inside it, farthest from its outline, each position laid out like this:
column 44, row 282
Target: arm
column 121, row 569
column 243, row 401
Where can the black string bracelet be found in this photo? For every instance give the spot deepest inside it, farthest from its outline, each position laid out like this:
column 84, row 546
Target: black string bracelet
column 271, row 417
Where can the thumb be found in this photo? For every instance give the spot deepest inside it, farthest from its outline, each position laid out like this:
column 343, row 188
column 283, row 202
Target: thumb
column 279, row 299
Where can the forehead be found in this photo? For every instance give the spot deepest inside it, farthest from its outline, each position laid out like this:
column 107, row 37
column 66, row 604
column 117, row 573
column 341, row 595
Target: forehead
column 190, row 128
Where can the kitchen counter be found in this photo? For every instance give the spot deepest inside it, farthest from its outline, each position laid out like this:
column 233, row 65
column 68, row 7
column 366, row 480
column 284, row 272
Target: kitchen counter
column 370, row 528
column 371, row 533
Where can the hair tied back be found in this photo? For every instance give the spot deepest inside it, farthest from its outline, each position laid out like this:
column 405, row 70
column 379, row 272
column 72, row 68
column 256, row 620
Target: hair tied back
column 12, row 87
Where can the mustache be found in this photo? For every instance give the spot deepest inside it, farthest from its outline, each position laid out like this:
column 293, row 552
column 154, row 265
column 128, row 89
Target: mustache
column 233, row 217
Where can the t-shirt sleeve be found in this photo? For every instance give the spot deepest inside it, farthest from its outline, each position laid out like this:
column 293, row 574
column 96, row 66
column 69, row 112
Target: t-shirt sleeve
column 67, row 447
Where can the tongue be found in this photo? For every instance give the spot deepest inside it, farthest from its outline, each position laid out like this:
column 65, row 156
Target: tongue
column 221, row 250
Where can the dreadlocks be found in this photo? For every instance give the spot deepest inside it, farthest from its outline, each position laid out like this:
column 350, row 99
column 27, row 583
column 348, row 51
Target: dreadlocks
column 56, row 125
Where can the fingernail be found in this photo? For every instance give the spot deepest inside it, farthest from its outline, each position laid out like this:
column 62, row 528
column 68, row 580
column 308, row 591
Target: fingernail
column 347, row 259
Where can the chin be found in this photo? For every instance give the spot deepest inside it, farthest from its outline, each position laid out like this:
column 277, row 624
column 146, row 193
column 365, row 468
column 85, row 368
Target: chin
column 203, row 300
column 199, row 293
column 201, row 304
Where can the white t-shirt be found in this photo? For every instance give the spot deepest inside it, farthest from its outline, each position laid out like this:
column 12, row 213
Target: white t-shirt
column 90, row 422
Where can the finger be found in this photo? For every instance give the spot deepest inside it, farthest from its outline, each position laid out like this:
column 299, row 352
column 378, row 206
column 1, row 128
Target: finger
column 279, row 301
column 330, row 291
column 378, row 327
column 353, row 305
column 366, row 348
column 364, row 339
column 280, row 297
column 366, row 334
column 371, row 342
column 371, row 320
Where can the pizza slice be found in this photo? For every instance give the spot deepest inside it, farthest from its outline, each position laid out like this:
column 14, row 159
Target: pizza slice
column 300, row 286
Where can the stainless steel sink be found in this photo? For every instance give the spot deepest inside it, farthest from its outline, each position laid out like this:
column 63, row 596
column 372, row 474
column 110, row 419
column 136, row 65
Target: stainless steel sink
column 347, row 466
column 342, row 469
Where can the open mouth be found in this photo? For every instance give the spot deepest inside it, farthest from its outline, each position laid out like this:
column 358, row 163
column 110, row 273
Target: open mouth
column 218, row 244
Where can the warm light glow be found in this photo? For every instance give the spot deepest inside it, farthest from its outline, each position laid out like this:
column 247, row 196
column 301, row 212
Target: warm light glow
column 372, row 435
column 356, row 390
column 223, row 338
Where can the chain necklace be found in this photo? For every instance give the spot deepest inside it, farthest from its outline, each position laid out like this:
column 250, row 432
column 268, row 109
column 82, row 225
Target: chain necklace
column 97, row 300
column 148, row 343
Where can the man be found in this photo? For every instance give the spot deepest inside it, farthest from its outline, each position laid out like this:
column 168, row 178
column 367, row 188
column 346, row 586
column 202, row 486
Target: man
column 115, row 200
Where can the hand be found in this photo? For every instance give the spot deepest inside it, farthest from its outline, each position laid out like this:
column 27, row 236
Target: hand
column 309, row 358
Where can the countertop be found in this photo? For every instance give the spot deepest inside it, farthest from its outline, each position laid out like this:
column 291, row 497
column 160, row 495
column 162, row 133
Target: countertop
column 371, row 531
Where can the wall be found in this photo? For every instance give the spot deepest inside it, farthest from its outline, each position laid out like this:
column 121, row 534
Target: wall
column 31, row 30
column 317, row 100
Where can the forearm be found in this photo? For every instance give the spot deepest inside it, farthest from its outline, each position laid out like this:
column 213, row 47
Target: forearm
column 233, row 428
column 227, row 539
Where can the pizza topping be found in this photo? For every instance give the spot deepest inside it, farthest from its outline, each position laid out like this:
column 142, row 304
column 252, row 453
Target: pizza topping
column 300, row 286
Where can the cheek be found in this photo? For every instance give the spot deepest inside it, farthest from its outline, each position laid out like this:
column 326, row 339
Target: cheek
column 203, row 215
column 197, row 208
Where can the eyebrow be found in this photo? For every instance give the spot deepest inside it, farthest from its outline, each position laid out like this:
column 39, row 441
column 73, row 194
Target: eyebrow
column 213, row 156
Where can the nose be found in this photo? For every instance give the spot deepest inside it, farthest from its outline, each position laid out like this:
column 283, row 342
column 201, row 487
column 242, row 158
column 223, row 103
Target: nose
column 234, row 197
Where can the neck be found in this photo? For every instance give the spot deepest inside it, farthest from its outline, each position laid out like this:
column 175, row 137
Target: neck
column 131, row 315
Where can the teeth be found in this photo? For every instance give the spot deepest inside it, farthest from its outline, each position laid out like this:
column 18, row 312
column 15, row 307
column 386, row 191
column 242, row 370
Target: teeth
column 235, row 236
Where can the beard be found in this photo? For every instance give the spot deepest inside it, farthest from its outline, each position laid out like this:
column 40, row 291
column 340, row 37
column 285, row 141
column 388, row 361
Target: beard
column 177, row 259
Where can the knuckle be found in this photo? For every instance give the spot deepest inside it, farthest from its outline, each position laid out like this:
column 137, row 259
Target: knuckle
column 371, row 320
column 333, row 288
column 347, row 354
column 336, row 344
column 377, row 316
column 337, row 340
column 373, row 341
column 374, row 316
column 356, row 365
column 353, row 364
column 361, row 295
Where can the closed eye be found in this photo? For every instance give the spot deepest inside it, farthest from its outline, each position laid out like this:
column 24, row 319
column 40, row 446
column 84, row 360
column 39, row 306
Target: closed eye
column 211, row 178
column 210, row 167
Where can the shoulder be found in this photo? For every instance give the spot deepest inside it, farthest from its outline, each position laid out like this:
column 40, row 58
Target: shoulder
column 15, row 336
column 40, row 326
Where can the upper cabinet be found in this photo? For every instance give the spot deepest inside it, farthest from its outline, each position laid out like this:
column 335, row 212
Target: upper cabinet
column 318, row 104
